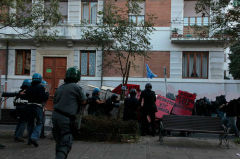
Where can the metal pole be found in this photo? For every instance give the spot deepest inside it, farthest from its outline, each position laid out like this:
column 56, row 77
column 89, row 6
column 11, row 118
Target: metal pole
column 165, row 76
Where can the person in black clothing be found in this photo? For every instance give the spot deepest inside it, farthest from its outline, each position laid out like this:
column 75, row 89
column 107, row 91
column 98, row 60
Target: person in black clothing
column 131, row 106
column 232, row 111
column 148, row 109
column 95, row 103
column 21, row 104
column 111, row 102
column 36, row 96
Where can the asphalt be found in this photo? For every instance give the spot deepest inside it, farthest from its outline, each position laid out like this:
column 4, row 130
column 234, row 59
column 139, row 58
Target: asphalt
column 194, row 147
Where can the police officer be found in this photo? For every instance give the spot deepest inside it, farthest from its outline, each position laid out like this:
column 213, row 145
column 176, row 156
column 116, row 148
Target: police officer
column 45, row 85
column 67, row 101
column 111, row 103
column 131, row 106
column 21, row 104
column 36, row 96
column 95, row 103
column 148, row 109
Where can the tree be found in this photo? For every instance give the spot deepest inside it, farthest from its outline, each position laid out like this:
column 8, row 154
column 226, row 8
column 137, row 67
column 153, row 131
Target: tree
column 120, row 37
column 29, row 20
column 225, row 21
column 234, row 66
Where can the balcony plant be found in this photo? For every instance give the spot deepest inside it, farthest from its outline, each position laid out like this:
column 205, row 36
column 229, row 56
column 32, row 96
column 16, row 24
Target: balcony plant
column 175, row 33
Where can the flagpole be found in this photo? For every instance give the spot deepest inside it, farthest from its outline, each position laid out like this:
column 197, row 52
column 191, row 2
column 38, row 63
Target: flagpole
column 165, row 76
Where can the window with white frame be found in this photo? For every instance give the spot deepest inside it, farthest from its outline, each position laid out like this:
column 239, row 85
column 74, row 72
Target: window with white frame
column 139, row 18
column 199, row 21
column 88, row 63
column 89, row 11
column 22, row 62
column 195, row 65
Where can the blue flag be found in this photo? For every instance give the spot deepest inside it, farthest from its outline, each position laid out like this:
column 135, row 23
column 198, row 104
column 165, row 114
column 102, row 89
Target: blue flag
column 149, row 72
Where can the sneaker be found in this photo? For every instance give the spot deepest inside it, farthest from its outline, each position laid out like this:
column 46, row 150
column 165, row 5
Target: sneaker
column 17, row 139
column 2, row 146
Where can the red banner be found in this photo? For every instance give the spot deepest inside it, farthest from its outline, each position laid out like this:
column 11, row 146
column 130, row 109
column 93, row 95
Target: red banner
column 164, row 106
column 118, row 89
column 184, row 103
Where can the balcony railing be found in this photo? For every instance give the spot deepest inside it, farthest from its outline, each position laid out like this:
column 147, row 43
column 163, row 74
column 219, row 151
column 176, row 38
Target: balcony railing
column 193, row 29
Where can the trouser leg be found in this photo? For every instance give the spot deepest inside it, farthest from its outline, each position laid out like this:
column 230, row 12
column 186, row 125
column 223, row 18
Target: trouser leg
column 37, row 128
column 62, row 135
column 233, row 122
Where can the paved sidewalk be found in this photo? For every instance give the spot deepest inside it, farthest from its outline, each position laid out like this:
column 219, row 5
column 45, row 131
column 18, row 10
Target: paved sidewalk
column 147, row 148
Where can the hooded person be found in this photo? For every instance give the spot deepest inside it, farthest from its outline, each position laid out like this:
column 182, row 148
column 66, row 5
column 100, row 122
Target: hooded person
column 68, row 99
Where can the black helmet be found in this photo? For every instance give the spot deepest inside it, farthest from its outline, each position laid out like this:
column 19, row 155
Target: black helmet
column 148, row 86
column 114, row 96
column 72, row 75
column 133, row 92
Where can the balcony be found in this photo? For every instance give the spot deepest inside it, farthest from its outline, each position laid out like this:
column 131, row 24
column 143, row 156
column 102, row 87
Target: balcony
column 193, row 30
column 72, row 32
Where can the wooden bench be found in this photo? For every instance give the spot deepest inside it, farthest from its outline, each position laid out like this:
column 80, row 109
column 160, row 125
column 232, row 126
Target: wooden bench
column 195, row 124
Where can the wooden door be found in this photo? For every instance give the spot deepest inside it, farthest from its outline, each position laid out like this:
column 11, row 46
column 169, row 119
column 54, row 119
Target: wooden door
column 54, row 69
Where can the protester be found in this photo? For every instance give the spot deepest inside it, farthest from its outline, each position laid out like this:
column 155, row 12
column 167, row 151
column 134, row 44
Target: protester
column 111, row 103
column 232, row 111
column 148, row 110
column 131, row 106
column 95, row 103
column 68, row 99
column 35, row 95
column 21, row 104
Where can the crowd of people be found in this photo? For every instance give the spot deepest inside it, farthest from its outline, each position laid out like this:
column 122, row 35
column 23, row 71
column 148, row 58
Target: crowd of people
column 69, row 98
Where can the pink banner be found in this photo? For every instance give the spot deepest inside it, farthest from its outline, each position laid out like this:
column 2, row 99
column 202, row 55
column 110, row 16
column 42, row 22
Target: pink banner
column 164, row 106
column 184, row 103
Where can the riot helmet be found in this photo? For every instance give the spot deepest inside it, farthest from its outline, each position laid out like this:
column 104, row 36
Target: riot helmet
column 148, row 86
column 44, row 83
column 72, row 75
column 114, row 97
column 37, row 77
column 26, row 83
column 95, row 91
column 133, row 92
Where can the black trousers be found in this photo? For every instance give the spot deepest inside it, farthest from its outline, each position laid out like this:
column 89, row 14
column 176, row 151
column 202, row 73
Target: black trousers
column 145, row 124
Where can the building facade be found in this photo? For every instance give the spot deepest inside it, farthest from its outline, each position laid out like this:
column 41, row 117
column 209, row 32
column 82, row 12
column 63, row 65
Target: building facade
column 194, row 61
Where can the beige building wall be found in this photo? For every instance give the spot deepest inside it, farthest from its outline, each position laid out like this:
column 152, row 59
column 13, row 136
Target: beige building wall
column 41, row 53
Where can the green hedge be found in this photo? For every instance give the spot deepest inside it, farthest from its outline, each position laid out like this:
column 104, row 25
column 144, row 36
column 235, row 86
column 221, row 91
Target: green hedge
column 106, row 129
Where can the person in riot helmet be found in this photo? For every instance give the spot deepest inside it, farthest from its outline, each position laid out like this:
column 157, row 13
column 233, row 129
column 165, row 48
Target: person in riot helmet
column 68, row 99
column 36, row 96
column 95, row 103
column 45, row 85
column 111, row 103
column 148, row 109
column 131, row 106
column 21, row 104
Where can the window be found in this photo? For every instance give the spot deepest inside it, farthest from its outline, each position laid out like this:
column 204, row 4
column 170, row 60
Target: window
column 89, row 12
column 195, row 64
column 63, row 9
column 2, row 62
column 199, row 21
column 88, row 63
column 140, row 18
column 23, row 61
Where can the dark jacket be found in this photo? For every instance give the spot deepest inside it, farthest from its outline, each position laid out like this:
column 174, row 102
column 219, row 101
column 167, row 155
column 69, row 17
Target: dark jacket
column 36, row 94
column 232, row 108
column 131, row 106
column 149, row 98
